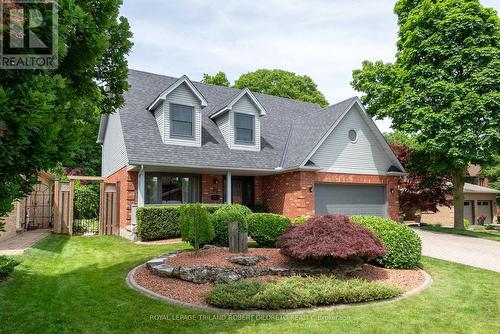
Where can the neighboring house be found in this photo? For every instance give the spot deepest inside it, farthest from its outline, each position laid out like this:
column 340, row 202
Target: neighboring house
column 478, row 201
column 177, row 141
column 31, row 212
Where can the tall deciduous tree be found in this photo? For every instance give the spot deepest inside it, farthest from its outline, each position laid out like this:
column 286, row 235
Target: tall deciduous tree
column 282, row 83
column 218, row 79
column 444, row 86
column 41, row 111
column 273, row 82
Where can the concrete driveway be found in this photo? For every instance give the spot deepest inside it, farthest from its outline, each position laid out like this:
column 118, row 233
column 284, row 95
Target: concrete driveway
column 474, row 252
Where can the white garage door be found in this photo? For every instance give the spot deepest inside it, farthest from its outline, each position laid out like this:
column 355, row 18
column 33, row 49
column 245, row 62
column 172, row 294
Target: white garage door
column 350, row 199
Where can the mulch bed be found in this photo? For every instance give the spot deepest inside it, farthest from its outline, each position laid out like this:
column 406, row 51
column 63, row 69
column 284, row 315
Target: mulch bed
column 194, row 293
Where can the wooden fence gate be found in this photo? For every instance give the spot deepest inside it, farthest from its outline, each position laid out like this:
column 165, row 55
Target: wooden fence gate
column 109, row 214
column 109, row 209
column 63, row 207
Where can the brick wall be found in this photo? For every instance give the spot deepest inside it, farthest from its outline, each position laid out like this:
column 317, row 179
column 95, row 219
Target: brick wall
column 257, row 187
column 212, row 185
column 292, row 194
column 128, row 193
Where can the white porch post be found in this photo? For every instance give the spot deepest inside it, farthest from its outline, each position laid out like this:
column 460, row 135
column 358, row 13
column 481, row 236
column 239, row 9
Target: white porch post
column 141, row 186
column 229, row 196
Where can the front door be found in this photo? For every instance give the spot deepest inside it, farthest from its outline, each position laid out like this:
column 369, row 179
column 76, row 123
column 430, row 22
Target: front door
column 242, row 190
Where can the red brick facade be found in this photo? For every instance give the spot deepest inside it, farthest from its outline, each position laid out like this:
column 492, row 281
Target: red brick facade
column 212, row 189
column 292, row 194
column 128, row 193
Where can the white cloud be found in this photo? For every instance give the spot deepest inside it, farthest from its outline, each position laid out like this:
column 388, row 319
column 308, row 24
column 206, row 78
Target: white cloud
column 323, row 39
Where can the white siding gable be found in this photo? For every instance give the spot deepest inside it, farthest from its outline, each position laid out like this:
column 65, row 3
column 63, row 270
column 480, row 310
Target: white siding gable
column 338, row 154
column 223, row 123
column 226, row 124
column 114, row 154
column 181, row 95
column 160, row 121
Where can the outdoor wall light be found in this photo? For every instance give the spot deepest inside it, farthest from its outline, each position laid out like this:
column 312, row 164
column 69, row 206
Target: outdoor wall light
column 215, row 181
column 310, row 189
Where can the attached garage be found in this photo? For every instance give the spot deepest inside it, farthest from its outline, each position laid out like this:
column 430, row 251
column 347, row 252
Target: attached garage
column 348, row 199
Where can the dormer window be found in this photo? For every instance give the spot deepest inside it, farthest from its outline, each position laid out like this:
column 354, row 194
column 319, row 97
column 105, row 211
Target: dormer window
column 244, row 128
column 181, row 121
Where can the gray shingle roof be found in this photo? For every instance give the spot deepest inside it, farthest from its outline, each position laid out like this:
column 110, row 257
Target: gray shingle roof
column 302, row 124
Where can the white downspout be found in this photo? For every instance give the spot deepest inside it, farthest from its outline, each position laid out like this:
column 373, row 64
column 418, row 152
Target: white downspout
column 141, row 186
column 229, row 196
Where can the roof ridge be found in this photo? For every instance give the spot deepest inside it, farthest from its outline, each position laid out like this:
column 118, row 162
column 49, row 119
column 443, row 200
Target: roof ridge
column 229, row 88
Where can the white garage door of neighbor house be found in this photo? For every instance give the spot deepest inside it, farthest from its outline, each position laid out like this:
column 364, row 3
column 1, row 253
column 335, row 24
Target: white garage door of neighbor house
column 350, row 199
column 484, row 207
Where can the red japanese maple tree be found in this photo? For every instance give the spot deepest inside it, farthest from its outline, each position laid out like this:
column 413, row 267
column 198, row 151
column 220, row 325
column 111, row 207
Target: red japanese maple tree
column 419, row 190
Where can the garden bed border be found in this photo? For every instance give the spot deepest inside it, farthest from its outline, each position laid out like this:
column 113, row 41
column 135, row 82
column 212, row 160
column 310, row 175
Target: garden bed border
column 134, row 285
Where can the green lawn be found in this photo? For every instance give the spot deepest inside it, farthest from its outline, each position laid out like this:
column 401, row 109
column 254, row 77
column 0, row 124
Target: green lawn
column 483, row 234
column 77, row 285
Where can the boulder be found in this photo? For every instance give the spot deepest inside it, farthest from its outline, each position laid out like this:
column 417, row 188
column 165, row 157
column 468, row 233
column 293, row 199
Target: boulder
column 246, row 260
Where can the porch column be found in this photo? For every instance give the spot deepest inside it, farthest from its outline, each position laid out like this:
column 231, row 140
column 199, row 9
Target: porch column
column 141, row 188
column 229, row 196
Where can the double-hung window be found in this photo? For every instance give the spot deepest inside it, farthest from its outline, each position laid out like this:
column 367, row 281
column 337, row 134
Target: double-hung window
column 181, row 121
column 244, row 128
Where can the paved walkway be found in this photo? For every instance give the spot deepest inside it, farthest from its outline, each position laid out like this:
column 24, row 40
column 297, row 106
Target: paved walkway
column 18, row 244
column 474, row 252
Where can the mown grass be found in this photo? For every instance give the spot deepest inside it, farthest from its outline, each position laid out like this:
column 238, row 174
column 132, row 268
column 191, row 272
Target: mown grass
column 484, row 234
column 77, row 285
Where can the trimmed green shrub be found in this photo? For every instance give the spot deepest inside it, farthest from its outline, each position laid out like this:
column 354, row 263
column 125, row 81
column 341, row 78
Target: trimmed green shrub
column 160, row 222
column 301, row 219
column 223, row 216
column 466, row 223
column 294, row 292
column 404, row 247
column 7, row 265
column 265, row 228
column 196, row 225
column 86, row 201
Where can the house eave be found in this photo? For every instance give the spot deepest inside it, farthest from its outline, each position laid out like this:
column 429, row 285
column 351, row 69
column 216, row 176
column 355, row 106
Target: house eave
column 172, row 87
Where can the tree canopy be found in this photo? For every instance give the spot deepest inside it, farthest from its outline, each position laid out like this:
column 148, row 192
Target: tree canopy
column 274, row 82
column 42, row 111
column 444, row 86
column 218, row 79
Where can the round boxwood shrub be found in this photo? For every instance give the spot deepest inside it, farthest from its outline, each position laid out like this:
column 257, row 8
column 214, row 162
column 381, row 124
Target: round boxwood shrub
column 403, row 245
column 7, row 265
column 223, row 216
column 265, row 228
column 330, row 239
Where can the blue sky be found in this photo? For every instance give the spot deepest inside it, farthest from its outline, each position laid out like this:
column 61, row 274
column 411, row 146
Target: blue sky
column 325, row 39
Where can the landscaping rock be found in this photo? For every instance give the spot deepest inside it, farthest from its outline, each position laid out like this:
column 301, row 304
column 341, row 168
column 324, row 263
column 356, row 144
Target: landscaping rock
column 246, row 260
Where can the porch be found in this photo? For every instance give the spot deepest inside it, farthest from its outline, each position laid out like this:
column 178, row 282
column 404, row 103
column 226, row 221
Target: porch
column 165, row 186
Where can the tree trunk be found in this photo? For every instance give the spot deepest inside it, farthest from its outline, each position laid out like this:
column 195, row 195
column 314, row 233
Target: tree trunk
column 458, row 199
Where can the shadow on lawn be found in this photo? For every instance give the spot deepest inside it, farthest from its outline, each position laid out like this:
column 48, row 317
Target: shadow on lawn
column 82, row 297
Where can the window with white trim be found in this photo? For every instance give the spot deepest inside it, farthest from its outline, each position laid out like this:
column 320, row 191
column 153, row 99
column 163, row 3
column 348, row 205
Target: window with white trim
column 244, row 128
column 181, row 121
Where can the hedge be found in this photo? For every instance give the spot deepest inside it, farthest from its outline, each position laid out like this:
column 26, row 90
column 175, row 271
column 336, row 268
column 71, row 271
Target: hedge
column 265, row 228
column 161, row 222
column 403, row 245
column 224, row 215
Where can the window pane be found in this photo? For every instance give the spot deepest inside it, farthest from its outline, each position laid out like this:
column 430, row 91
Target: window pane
column 243, row 121
column 165, row 188
column 244, row 135
column 182, row 128
column 181, row 113
column 181, row 120
column 151, row 196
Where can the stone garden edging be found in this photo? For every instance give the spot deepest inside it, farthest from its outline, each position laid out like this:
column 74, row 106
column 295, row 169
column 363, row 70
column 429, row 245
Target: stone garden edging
column 213, row 274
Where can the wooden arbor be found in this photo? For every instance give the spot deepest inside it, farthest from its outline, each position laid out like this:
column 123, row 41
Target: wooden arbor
column 64, row 192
